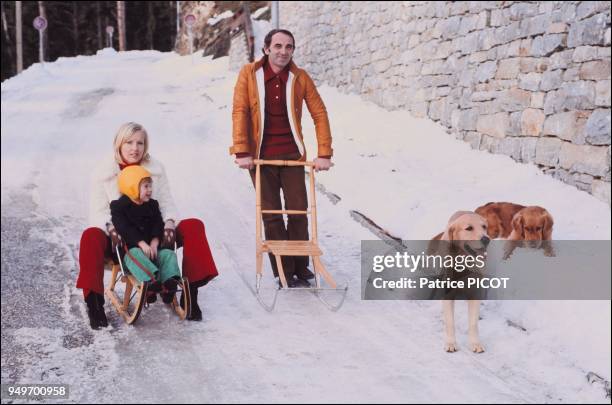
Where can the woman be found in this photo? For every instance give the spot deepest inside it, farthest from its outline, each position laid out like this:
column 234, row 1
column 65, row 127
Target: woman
column 98, row 241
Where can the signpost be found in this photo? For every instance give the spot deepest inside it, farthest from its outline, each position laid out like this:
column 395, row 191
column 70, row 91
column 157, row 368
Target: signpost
column 275, row 14
column 109, row 30
column 178, row 18
column 190, row 19
column 40, row 23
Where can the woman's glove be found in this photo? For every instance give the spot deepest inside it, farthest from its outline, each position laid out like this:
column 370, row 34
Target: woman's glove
column 169, row 235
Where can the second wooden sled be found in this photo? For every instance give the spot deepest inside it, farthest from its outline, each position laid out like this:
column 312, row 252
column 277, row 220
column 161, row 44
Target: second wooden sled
column 280, row 248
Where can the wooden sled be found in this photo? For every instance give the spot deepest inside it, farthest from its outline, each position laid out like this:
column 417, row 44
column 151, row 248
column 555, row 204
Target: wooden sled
column 280, row 248
column 129, row 296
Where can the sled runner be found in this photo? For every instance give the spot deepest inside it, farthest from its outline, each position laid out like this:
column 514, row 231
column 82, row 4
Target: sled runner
column 280, row 248
column 129, row 296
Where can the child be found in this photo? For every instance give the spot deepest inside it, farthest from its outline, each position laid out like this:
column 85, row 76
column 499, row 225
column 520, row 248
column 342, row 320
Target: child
column 138, row 220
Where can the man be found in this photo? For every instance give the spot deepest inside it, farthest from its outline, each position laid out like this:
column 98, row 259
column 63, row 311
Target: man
column 273, row 89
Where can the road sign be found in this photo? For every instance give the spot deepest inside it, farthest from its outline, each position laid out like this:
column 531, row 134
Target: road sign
column 40, row 23
column 190, row 19
column 109, row 31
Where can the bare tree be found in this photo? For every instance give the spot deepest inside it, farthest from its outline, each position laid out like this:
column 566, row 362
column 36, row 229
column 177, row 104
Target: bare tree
column 99, row 26
column 43, row 13
column 75, row 26
column 121, row 24
column 107, row 22
column 19, row 36
column 7, row 36
column 150, row 24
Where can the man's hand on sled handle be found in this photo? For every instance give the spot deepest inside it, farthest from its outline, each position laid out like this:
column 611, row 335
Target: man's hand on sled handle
column 245, row 162
column 322, row 164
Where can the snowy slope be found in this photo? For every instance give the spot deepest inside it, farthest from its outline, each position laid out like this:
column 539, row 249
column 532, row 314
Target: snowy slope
column 406, row 174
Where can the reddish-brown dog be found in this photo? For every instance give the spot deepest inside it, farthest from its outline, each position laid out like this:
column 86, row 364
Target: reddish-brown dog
column 499, row 217
column 534, row 225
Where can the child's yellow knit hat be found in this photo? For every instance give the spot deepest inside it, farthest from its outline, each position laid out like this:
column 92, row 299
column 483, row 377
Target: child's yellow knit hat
column 129, row 181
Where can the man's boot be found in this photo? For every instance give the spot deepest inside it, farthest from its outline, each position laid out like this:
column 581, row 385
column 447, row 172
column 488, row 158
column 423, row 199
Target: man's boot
column 304, row 274
column 294, row 282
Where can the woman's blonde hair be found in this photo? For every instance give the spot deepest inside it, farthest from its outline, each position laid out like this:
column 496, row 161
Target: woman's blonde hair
column 123, row 135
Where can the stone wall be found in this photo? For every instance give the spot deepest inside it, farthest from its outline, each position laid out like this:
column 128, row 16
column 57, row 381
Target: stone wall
column 526, row 79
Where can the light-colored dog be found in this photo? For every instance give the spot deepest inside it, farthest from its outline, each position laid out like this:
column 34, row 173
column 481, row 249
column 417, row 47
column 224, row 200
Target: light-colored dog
column 469, row 231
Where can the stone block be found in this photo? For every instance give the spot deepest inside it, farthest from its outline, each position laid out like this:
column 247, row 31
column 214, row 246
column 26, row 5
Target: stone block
column 494, row 125
column 532, row 121
column 598, row 127
column 547, row 151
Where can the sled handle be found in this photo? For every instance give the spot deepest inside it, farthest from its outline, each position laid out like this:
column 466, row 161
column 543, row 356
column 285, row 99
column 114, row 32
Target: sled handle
column 283, row 162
